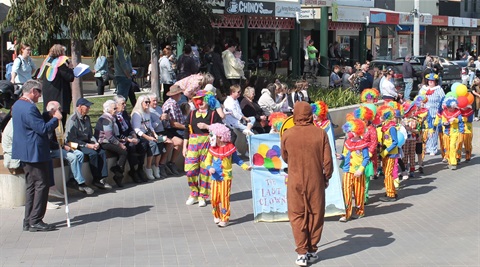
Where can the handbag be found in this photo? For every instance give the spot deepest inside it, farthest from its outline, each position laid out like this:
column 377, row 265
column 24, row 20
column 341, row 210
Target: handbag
column 106, row 78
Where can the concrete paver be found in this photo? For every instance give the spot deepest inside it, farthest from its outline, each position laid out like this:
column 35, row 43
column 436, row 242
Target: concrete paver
column 436, row 222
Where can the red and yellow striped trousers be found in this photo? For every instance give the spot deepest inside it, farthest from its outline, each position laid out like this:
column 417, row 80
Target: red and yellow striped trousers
column 388, row 164
column 465, row 141
column 357, row 186
column 220, row 198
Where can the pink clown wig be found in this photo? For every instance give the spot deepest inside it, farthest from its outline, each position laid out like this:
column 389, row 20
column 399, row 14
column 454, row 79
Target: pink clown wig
column 221, row 131
column 355, row 126
column 320, row 109
column 369, row 94
column 363, row 113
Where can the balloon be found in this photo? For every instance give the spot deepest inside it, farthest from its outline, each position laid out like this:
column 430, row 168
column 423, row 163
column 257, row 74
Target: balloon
column 454, row 86
column 262, row 150
column 272, row 153
column 452, row 94
column 461, row 90
column 400, row 138
column 277, row 163
column 257, row 159
column 470, row 98
column 372, row 107
column 462, row 101
column 268, row 163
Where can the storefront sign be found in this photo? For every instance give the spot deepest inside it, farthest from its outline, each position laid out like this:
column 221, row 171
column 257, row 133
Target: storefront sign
column 384, row 18
column 440, row 21
column 407, row 19
column 349, row 14
column 286, row 10
column 456, row 33
column 241, row 7
column 462, row 22
column 316, row 3
column 359, row 3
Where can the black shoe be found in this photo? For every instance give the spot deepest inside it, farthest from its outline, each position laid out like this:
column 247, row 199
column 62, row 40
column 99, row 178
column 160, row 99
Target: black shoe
column 420, row 170
column 26, row 227
column 118, row 180
column 173, row 168
column 117, row 170
column 388, row 199
column 163, row 171
column 41, row 227
column 135, row 176
column 142, row 175
column 167, row 170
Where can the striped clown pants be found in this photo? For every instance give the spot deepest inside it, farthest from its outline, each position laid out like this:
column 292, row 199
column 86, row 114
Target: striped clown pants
column 197, row 175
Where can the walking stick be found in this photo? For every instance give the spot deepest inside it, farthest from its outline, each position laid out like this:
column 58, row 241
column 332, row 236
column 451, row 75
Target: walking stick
column 67, row 211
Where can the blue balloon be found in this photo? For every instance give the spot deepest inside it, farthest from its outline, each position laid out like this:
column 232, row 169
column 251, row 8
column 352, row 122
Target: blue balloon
column 454, row 86
column 400, row 138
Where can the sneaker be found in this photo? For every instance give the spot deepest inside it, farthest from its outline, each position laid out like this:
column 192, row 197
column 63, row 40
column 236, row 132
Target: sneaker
column 173, row 168
column 301, row 260
column 396, row 183
column 53, row 192
column 191, row 200
column 51, row 206
column 404, row 176
column 222, row 224
column 163, row 171
column 388, row 199
column 444, row 160
column 216, row 220
column 411, row 174
column 149, row 173
column 156, row 172
column 432, row 154
column 453, row 167
column 312, row 257
column 343, row 219
column 476, row 119
column 86, row 189
column 358, row 216
column 102, row 184
column 201, row 202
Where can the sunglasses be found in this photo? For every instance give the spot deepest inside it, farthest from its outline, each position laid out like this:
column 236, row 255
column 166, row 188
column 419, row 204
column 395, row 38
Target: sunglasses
column 147, row 102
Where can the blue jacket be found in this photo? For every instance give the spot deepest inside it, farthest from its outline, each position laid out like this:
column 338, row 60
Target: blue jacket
column 30, row 138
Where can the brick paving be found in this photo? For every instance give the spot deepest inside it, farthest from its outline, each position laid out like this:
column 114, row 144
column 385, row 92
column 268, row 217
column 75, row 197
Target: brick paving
column 436, row 222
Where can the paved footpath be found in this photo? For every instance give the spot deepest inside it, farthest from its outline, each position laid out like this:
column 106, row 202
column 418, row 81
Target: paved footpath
column 435, row 222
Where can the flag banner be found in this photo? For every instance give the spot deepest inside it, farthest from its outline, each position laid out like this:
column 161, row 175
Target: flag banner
column 269, row 182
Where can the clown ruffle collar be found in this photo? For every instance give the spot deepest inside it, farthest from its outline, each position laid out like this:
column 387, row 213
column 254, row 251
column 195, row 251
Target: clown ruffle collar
column 355, row 145
column 388, row 125
column 222, row 152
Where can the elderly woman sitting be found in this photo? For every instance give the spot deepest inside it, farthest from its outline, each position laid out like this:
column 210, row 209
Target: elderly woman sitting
column 106, row 132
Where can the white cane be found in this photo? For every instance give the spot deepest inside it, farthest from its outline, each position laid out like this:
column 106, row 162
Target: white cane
column 67, row 211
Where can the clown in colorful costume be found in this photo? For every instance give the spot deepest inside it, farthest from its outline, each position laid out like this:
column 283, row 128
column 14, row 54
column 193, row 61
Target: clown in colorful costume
column 454, row 127
column 466, row 140
column 370, row 137
column 219, row 160
column 196, row 148
column 356, row 157
column 387, row 137
column 411, row 125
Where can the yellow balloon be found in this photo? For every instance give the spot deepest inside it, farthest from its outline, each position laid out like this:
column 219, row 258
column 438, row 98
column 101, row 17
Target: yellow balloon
column 262, row 150
column 461, row 90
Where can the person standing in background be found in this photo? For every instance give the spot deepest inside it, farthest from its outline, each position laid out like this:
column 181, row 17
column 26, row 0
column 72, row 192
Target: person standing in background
column 273, row 53
column 407, row 71
column 233, row 67
column 101, row 74
column 167, row 74
column 23, row 66
column 123, row 72
column 31, row 146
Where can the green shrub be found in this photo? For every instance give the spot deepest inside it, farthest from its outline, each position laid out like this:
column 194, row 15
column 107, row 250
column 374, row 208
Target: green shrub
column 334, row 97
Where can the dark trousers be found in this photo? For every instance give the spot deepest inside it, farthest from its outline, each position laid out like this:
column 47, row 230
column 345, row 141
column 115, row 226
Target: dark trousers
column 117, row 150
column 166, row 88
column 136, row 153
column 36, row 177
column 100, row 85
column 97, row 160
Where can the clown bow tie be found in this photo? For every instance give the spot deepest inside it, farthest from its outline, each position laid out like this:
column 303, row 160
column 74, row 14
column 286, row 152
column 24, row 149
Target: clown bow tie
column 202, row 113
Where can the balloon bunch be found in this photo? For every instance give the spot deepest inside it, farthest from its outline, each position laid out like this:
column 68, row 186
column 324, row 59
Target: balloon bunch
column 460, row 93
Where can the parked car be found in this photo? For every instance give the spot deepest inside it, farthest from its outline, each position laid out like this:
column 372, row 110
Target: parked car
column 398, row 76
column 452, row 70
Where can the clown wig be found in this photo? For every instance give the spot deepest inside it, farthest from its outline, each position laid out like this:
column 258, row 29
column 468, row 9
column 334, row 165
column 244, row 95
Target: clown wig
column 363, row 113
column 450, row 102
column 397, row 107
column 355, row 126
column 386, row 113
column 320, row 109
column 221, row 131
column 349, row 116
column 419, row 100
column 204, row 96
column 276, row 120
column 369, row 94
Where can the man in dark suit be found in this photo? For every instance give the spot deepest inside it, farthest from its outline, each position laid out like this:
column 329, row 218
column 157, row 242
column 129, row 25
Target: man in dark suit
column 31, row 147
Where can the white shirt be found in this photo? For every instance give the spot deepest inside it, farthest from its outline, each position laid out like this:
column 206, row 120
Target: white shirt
column 388, row 88
column 233, row 111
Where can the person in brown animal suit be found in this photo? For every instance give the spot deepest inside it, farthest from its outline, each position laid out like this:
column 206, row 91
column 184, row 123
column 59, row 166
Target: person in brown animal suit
column 306, row 150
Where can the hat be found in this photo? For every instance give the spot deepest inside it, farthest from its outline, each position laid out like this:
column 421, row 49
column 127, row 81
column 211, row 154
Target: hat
column 210, row 88
column 200, row 93
column 389, row 69
column 431, row 76
column 83, row 102
column 174, row 90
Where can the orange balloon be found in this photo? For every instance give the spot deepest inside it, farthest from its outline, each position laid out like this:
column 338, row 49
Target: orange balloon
column 470, row 98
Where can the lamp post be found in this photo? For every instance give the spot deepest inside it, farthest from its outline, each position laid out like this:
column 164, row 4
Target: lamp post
column 416, row 28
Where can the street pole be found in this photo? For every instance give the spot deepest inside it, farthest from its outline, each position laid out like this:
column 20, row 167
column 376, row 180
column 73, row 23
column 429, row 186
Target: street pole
column 416, row 28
